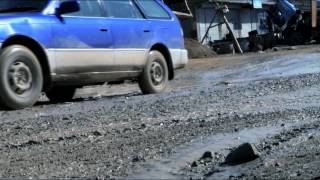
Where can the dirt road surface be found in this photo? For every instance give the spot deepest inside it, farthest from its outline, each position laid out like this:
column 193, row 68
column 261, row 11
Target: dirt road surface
column 271, row 100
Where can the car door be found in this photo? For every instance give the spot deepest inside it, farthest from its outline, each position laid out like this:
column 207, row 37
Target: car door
column 131, row 33
column 83, row 41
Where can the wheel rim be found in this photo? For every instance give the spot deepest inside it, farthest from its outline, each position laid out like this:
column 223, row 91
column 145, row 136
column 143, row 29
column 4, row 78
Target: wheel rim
column 157, row 73
column 20, row 78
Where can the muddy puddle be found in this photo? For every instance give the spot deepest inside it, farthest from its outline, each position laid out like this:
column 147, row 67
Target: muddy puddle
column 274, row 67
column 169, row 168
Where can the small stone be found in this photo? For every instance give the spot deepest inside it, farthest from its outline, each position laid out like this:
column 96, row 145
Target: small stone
column 143, row 126
column 97, row 96
column 65, row 118
column 138, row 158
column 226, row 83
column 194, row 164
column 206, row 155
column 97, row 133
column 310, row 136
column 18, row 127
column 275, row 144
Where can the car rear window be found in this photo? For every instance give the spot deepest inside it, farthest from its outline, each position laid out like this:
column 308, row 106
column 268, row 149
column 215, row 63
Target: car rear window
column 121, row 9
column 153, row 9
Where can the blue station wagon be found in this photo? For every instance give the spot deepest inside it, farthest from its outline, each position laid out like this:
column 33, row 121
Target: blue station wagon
column 56, row 46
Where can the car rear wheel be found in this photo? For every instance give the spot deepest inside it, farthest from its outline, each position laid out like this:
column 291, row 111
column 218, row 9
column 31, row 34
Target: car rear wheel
column 21, row 78
column 61, row 94
column 154, row 78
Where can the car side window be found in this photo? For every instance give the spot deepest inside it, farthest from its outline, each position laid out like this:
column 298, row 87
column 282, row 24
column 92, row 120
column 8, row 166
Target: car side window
column 88, row 8
column 153, row 9
column 121, row 9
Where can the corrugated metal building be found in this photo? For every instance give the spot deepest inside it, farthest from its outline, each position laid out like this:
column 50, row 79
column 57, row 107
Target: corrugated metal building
column 242, row 16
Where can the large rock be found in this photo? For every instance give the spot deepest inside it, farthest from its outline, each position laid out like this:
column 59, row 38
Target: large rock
column 242, row 154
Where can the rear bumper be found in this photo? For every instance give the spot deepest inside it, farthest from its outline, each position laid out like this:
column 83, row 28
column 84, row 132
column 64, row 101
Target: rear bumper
column 179, row 58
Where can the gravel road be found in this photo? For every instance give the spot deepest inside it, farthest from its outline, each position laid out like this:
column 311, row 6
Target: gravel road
column 270, row 100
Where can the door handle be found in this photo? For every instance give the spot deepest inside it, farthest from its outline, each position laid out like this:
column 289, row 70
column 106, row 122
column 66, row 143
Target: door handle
column 104, row 30
column 146, row 30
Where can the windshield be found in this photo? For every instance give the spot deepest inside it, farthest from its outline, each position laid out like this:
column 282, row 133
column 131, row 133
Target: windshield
column 22, row 5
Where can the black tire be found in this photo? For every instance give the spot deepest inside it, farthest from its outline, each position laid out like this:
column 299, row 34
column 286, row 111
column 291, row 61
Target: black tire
column 61, row 94
column 155, row 76
column 21, row 78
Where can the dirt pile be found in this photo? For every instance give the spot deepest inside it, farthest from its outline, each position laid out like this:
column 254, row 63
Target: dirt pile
column 196, row 50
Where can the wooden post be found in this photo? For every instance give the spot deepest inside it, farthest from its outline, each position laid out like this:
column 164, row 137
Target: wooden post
column 314, row 10
column 235, row 40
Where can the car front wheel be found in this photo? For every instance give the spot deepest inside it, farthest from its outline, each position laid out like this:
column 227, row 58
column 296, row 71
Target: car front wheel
column 21, row 78
column 154, row 78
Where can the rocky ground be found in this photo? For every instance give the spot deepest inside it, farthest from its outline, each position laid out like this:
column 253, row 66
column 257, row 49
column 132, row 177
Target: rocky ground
column 270, row 100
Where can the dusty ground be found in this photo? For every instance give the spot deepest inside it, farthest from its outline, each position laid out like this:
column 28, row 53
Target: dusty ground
column 270, row 100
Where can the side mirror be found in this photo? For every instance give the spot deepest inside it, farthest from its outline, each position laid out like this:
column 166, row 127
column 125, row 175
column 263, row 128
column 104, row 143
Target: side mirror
column 67, row 6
